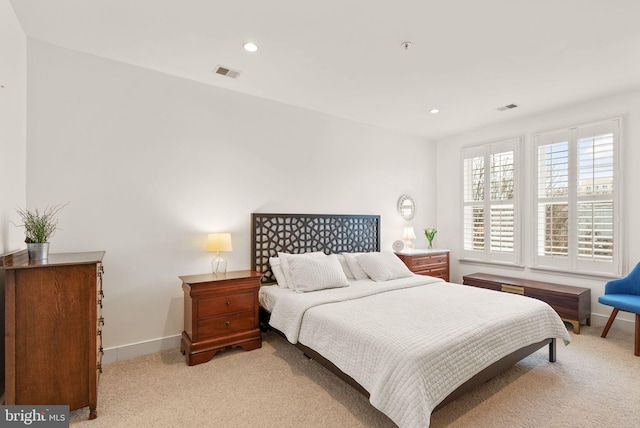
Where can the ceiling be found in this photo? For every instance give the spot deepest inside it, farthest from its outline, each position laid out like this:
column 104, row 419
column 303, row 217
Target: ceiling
column 344, row 57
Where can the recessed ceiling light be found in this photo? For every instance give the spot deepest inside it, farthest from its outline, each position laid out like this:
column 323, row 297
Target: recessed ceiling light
column 250, row 47
column 434, row 111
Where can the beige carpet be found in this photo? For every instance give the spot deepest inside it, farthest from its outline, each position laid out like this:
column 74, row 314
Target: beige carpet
column 594, row 383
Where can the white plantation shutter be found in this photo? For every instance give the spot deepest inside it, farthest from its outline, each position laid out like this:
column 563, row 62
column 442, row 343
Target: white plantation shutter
column 502, row 227
column 553, row 197
column 576, row 199
column 595, row 192
column 490, row 217
column 502, row 214
column 473, row 191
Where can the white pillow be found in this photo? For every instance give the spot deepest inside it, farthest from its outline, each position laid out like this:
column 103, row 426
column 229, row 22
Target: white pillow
column 312, row 273
column 354, row 266
column 383, row 266
column 276, row 268
column 284, row 263
column 345, row 266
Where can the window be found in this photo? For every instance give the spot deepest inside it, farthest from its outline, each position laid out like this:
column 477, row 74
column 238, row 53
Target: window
column 576, row 199
column 490, row 219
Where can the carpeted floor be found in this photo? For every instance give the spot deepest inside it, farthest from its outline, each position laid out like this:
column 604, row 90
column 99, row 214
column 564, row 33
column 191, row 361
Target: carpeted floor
column 594, row 383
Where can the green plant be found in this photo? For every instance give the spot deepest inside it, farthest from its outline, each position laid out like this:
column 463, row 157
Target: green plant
column 39, row 227
column 430, row 233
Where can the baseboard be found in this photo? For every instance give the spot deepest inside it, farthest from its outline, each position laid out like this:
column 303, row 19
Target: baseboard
column 126, row 352
column 619, row 324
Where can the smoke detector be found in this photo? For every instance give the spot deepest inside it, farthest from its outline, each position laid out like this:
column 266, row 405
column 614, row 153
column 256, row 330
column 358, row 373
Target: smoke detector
column 507, row 107
column 226, row 71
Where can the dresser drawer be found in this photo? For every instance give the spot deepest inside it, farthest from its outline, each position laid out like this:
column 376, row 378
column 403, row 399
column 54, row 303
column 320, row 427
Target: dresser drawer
column 437, row 273
column 434, row 264
column 227, row 324
column 212, row 306
column 428, row 262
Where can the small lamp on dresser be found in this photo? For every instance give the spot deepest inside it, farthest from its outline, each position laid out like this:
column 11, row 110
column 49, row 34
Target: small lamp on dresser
column 408, row 235
column 219, row 242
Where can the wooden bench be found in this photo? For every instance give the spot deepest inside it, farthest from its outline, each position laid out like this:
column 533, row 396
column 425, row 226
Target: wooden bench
column 573, row 304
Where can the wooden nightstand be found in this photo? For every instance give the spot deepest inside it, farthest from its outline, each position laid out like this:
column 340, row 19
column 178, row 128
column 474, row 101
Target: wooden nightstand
column 427, row 262
column 220, row 310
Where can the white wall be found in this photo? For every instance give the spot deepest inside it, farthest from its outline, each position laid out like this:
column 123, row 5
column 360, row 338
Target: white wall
column 450, row 196
column 152, row 163
column 13, row 128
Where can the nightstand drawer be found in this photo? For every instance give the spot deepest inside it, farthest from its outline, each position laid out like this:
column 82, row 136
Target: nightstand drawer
column 225, row 325
column 212, row 306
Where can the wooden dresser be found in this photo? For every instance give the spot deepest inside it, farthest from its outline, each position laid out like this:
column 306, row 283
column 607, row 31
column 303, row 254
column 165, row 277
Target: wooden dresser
column 53, row 329
column 427, row 262
column 220, row 310
column 573, row 304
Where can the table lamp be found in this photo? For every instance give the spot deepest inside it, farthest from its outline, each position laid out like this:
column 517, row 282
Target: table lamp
column 408, row 235
column 219, row 242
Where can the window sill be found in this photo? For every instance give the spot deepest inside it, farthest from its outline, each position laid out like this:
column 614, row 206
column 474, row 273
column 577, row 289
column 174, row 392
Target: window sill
column 540, row 269
column 491, row 263
column 577, row 274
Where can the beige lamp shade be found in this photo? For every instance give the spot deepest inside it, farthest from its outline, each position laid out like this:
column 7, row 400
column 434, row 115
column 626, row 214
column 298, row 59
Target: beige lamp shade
column 219, row 242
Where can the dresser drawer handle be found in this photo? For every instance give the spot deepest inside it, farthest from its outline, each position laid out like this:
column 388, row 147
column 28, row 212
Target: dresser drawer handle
column 419, row 262
column 228, row 323
column 512, row 289
column 228, row 303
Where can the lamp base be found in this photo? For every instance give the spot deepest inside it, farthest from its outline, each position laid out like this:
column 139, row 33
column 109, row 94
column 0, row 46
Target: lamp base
column 219, row 265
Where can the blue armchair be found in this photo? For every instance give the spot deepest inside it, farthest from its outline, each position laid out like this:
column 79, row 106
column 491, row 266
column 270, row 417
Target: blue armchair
column 624, row 295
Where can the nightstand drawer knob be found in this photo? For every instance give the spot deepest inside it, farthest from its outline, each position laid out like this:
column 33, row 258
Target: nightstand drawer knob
column 228, row 303
column 228, row 323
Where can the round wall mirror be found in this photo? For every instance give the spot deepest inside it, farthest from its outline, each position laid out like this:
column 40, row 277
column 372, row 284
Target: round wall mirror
column 406, row 207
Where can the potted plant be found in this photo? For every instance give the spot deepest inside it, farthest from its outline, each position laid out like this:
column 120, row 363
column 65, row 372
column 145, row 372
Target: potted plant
column 39, row 227
column 430, row 233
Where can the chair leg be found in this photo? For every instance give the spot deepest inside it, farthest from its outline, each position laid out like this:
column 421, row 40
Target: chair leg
column 611, row 318
column 636, row 348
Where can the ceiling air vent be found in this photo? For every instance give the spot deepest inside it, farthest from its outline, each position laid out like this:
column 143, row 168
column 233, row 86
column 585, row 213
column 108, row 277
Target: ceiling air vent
column 507, row 107
column 225, row 71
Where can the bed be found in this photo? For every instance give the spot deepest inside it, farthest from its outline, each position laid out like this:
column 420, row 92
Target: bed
column 410, row 343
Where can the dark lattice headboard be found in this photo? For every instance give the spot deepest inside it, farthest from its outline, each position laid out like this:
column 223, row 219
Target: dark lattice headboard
column 303, row 233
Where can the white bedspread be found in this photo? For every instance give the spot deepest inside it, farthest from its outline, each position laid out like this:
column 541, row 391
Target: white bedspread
column 413, row 341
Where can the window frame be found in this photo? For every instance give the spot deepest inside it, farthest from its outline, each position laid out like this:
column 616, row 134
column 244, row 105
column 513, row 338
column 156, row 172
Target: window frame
column 572, row 263
column 485, row 150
